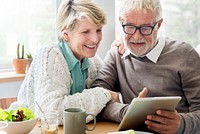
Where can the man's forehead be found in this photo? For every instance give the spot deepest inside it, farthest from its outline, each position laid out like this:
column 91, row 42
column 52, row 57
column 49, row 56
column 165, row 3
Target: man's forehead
column 139, row 16
column 138, row 12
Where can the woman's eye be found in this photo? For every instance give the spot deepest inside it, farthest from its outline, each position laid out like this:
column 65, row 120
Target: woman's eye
column 99, row 30
column 86, row 31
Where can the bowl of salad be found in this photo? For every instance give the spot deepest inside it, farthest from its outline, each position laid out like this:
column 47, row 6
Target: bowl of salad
column 20, row 121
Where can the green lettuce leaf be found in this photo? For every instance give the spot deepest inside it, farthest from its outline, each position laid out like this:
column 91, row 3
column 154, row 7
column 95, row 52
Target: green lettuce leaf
column 8, row 115
column 5, row 115
column 28, row 113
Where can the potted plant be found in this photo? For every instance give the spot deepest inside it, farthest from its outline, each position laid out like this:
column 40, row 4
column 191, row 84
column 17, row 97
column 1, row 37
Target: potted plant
column 20, row 63
column 30, row 58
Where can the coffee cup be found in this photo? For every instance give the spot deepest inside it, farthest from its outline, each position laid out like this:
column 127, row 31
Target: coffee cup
column 74, row 121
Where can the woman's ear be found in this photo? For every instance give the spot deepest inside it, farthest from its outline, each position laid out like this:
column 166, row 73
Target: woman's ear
column 66, row 35
column 120, row 19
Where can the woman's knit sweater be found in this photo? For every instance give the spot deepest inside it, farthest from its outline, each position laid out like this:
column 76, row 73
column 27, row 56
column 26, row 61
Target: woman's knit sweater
column 48, row 82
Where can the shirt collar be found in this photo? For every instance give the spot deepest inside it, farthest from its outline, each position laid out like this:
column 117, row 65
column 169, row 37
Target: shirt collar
column 154, row 54
column 70, row 58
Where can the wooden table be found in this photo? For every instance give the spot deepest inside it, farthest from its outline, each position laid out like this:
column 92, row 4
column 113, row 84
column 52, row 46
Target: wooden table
column 102, row 127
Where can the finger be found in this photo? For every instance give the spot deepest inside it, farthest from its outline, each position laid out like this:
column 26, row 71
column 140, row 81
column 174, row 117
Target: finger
column 120, row 48
column 143, row 93
column 156, row 126
column 163, row 124
column 158, row 131
column 123, row 50
column 159, row 119
column 167, row 114
column 115, row 43
column 159, row 128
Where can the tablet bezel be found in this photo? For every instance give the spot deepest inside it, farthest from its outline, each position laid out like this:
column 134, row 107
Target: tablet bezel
column 141, row 107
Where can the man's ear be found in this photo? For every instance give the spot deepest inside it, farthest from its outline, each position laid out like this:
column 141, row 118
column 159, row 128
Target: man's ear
column 160, row 22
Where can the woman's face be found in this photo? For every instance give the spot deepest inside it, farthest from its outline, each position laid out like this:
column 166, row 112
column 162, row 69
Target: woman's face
column 84, row 39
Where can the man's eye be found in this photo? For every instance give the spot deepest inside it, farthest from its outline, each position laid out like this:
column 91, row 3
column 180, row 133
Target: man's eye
column 145, row 28
column 130, row 27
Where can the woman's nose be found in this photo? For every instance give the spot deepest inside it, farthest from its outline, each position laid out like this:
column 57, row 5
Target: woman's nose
column 94, row 38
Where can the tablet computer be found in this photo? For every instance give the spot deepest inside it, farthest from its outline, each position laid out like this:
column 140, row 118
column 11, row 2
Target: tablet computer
column 141, row 107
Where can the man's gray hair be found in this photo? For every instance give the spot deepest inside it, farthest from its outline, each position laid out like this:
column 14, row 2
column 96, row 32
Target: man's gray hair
column 153, row 5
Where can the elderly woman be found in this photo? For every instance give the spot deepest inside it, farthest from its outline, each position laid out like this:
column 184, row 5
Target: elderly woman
column 60, row 75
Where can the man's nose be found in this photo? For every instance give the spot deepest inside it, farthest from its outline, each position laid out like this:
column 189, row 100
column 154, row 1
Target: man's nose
column 137, row 35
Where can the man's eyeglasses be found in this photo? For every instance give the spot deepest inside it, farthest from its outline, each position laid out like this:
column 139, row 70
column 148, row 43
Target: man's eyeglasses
column 144, row 30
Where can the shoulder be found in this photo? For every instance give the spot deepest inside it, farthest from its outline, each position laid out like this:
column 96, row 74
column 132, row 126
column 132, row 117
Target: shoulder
column 113, row 55
column 178, row 48
column 51, row 60
column 177, row 45
column 113, row 51
column 50, row 54
column 183, row 52
column 48, row 50
column 95, row 65
column 95, row 62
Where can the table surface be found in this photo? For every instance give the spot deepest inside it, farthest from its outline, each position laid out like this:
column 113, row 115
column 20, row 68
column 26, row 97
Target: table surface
column 102, row 127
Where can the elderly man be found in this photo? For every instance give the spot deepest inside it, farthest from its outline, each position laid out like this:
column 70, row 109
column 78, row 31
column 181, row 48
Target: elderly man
column 161, row 66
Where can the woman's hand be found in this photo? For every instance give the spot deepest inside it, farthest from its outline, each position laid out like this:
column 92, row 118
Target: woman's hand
column 114, row 96
column 119, row 43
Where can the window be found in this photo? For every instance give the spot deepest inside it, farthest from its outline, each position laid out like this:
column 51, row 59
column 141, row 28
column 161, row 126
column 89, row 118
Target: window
column 28, row 22
column 181, row 20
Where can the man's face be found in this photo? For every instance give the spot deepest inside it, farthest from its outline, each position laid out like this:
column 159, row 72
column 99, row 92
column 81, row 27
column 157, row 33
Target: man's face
column 138, row 43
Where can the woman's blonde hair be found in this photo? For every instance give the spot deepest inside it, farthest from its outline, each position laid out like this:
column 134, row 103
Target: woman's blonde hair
column 153, row 5
column 70, row 11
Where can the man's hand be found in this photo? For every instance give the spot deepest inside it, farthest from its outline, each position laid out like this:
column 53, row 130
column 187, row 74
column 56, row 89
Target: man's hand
column 143, row 93
column 164, row 122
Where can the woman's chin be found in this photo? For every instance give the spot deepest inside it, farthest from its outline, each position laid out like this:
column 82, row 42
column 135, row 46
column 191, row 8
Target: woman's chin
column 90, row 55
